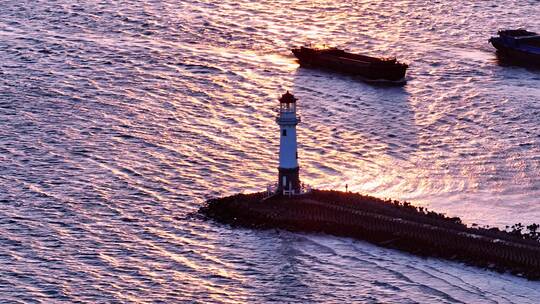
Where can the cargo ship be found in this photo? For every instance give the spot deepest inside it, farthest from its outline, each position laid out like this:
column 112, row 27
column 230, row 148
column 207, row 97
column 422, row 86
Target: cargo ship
column 519, row 45
column 366, row 67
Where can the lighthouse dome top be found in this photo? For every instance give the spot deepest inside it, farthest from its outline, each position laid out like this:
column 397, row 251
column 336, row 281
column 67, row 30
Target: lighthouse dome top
column 287, row 98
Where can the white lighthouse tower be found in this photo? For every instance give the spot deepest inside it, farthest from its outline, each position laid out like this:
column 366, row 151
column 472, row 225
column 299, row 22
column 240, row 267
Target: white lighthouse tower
column 289, row 171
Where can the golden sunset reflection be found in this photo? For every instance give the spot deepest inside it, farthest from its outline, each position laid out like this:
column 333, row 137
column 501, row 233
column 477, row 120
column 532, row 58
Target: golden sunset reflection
column 119, row 120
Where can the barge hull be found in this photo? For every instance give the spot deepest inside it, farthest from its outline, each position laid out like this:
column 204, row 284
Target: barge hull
column 517, row 55
column 368, row 68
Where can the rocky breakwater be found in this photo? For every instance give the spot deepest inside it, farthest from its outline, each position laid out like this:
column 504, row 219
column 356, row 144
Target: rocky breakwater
column 387, row 223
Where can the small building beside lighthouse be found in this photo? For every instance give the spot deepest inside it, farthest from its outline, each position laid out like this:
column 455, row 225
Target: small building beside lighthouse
column 289, row 170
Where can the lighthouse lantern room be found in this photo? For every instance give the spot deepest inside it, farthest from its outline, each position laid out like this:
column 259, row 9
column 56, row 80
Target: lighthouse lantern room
column 289, row 171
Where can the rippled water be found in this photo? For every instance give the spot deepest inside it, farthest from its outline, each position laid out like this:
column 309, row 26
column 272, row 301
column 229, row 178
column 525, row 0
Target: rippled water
column 119, row 118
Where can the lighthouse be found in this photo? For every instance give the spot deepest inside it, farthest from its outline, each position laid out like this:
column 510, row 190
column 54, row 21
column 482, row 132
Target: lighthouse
column 289, row 171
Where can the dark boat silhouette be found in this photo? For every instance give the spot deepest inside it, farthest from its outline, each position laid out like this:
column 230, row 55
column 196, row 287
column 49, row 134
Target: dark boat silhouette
column 520, row 46
column 368, row 68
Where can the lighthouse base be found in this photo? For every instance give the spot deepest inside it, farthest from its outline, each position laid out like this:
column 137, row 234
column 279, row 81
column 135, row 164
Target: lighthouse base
column 289, row 180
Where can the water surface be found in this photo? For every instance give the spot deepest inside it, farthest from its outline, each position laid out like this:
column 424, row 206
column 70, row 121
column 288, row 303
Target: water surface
column 118, row 119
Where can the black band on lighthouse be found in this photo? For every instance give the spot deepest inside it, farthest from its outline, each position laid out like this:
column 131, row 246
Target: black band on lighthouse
column 289, row 179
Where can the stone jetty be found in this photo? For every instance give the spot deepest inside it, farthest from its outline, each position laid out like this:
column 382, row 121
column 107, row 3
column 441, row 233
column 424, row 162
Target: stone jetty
column 387, row 223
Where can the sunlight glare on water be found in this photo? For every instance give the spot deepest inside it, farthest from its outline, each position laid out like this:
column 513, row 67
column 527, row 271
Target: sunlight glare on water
column 118, row 120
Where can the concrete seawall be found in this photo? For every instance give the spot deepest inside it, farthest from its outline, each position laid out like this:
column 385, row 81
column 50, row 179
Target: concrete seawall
column 386, row 223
